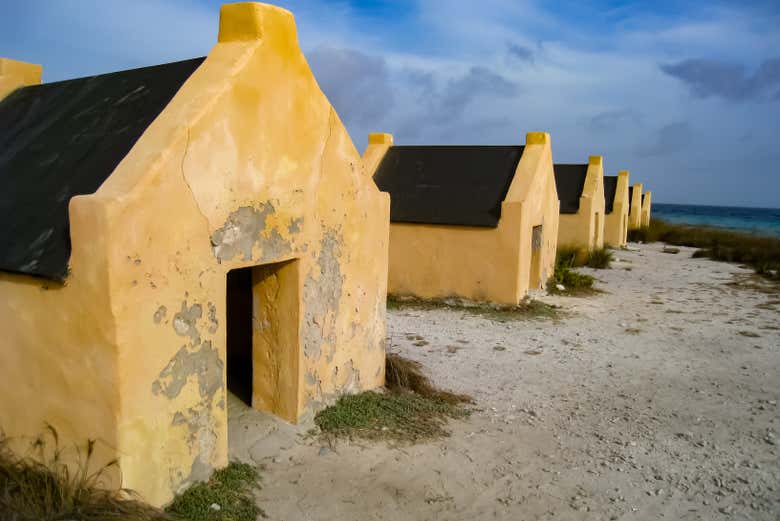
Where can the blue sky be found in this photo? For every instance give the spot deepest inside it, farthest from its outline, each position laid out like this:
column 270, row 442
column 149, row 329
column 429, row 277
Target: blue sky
column 685, row 95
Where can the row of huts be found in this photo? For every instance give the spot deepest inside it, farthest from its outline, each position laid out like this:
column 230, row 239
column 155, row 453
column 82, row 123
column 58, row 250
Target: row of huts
column 175, row 232
column 484, row 222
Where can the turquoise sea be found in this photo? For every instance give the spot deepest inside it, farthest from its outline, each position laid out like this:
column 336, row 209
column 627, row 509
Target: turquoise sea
column 763, row 221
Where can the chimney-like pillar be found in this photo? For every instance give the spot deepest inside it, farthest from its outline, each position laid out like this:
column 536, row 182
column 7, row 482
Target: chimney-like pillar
column 15, row 74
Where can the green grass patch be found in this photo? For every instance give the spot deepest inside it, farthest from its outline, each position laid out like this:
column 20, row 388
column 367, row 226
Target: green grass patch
column 405, row 416
column 528, row 309
column 600, row 259
column 42, row 487
column 761, row 253
column 573, row 283
column 410, row 409
column 230, row 489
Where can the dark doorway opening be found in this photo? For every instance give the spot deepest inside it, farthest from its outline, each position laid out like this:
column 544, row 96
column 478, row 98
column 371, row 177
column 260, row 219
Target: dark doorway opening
column 239, row 333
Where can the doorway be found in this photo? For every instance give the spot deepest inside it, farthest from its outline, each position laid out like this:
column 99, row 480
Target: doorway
column 535, row 281
column 263, row 347
column 597, row 239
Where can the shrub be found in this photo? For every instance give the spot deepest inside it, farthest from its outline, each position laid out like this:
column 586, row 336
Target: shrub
column 600, row 259
column 564, row 275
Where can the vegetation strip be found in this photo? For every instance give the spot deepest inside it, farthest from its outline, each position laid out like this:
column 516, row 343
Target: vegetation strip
column 528, row 309
column 761, row 253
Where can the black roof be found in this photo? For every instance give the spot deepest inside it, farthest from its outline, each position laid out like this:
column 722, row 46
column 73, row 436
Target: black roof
column 63, row 139
column 570, row 180
column 610, row 189
column 456, row 185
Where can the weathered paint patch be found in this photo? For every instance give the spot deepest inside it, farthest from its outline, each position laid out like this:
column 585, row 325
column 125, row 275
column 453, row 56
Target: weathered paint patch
column 204, row 364
column 241, row 232
column 159, row 315
column 185, row 322
column 322, row 296
column 295, row 225
column 273, row 247
column 246, row 228
column 213, row 322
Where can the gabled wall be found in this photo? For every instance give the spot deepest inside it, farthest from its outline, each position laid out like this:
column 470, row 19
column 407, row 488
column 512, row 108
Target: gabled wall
column 646, row 209
column 635, row 212
column 249, row 165
column 616, row 222
column 585, row 229
column 481, row 264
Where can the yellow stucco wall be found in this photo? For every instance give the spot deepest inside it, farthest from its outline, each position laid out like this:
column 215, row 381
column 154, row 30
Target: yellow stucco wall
column 482, row 264
column 635, row 212
column 248, row 165
column 646, row 209
column 616, row 222
column 15, row 74
column 585, row 229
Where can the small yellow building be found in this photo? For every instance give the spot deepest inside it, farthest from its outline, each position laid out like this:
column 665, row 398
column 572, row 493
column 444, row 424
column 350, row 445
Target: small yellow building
column 616, row 197
column 581, row 195
column 176, row 232
column 646, row 208
column 475, row 222
column 635, row 207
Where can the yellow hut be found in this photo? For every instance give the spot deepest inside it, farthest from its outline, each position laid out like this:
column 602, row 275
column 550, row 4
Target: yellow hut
column 581, row 195
column 646, row 208
column 475, row 222
column 616, row 197
column 635, row 207
column 176, row 232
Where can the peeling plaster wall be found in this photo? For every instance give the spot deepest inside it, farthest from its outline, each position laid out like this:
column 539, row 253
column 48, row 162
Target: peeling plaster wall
column 483, row 264
column 616, row 223
column 249, row 164
column 581, row 230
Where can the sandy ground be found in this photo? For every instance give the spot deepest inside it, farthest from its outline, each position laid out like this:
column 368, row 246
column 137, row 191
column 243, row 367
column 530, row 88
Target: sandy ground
column 655, row 399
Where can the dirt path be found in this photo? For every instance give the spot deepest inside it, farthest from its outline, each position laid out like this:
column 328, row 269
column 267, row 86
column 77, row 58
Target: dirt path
column 656, row 399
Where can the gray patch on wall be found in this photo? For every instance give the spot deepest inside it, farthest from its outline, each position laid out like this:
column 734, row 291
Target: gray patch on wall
column 322, row 297
column 213, row 322
column 159, row 315
column 185, row 322
column 204, row 364
column 295, row 225
column 241, row 232
column 246, row 228
column 273, row 247
column 201, row 362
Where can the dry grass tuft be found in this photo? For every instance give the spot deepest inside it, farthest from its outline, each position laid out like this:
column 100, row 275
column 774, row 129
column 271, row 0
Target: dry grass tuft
column 404, row 375
column 41, row 487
